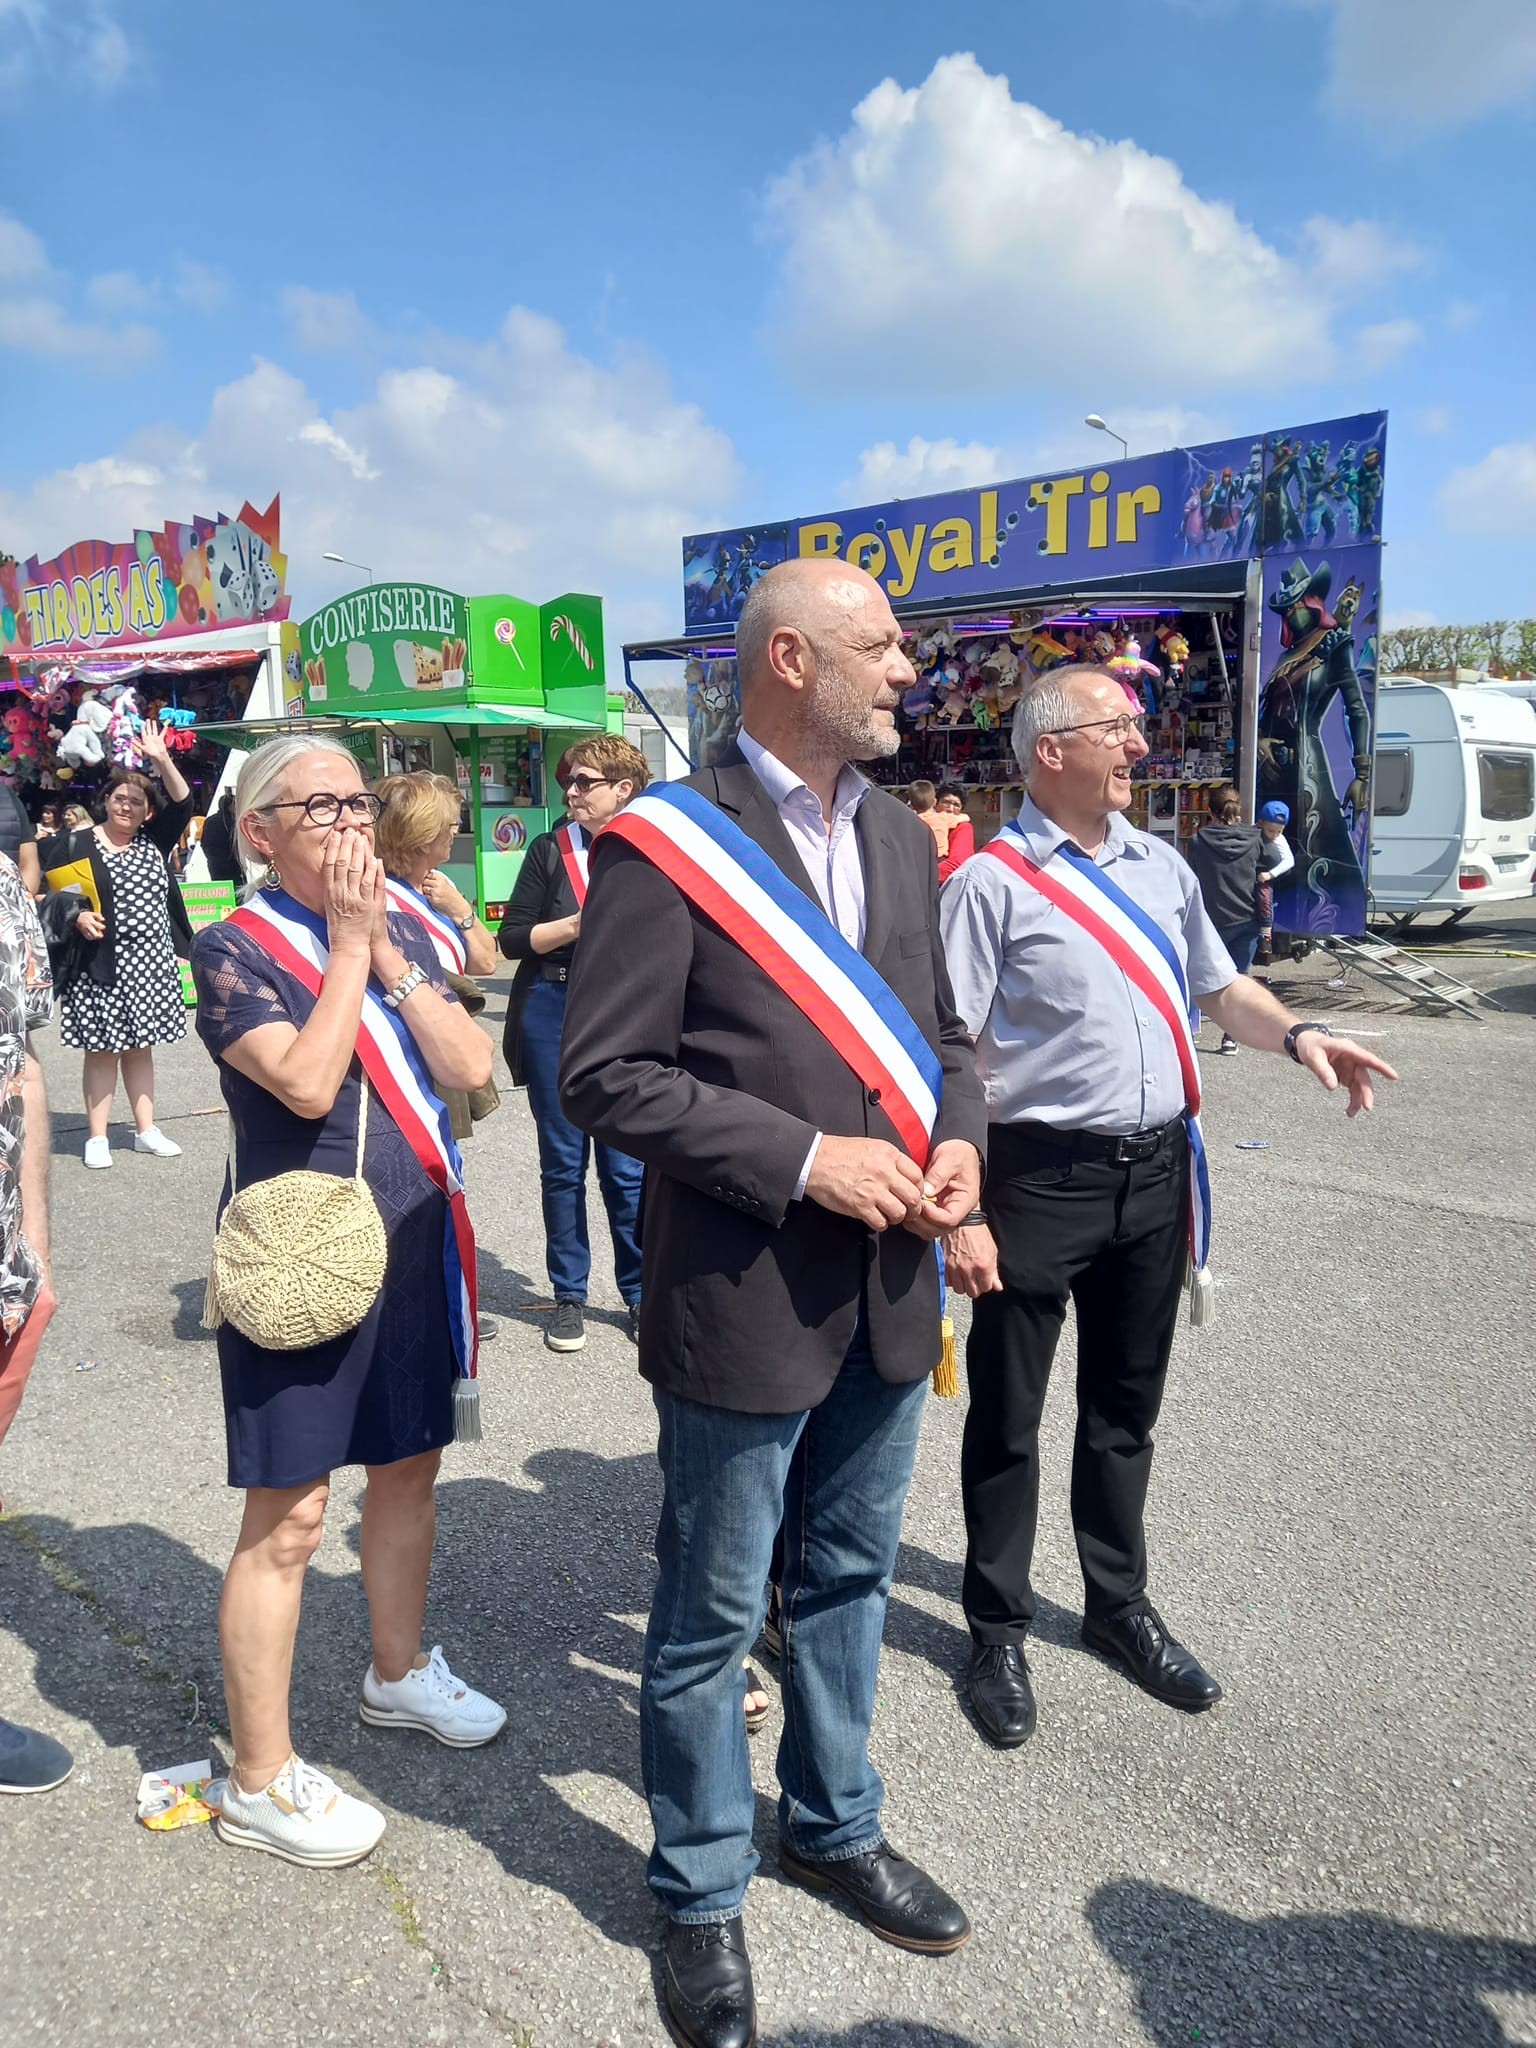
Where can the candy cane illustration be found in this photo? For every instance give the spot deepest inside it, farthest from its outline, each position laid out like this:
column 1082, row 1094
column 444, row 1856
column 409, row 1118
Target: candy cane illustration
column 584, row 653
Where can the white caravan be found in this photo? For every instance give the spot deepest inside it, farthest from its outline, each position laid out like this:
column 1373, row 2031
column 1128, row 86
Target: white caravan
column 1454, row 822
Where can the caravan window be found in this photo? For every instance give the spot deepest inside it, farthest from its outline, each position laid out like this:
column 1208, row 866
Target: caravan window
column 1508, row 785
column 1394, row 781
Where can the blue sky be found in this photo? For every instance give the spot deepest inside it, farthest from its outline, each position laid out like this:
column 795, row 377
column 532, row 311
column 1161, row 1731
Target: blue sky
column 512, row 297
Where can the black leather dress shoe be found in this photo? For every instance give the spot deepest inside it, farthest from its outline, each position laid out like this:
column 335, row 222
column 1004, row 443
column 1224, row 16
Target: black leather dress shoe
column 709, row 2001
column 1158, row 1664
column 1000, row 1693
column 891, row 1896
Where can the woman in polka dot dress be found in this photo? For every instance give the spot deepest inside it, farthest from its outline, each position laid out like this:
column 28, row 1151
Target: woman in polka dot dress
column 127, row 998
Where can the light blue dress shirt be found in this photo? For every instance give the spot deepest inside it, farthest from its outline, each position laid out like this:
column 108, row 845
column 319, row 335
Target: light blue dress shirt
column 1062, row 1037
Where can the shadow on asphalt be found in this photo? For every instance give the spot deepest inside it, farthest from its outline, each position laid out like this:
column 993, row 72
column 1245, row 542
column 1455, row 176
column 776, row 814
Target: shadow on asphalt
column 1201, row 1974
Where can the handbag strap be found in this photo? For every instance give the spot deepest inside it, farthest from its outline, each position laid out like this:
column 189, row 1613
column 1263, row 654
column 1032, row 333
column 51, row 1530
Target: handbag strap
column 362, row 1134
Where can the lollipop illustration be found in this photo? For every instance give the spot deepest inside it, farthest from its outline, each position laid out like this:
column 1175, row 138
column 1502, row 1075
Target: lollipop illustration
column 506, row 632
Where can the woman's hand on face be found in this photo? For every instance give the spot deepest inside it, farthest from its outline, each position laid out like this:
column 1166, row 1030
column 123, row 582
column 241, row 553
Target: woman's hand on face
column 91, row 924
column 351, row 893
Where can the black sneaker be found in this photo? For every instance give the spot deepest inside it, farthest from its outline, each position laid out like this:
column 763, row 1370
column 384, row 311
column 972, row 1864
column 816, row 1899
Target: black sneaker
column 487, row 1327
column 632, row 1321
column 567, row 1330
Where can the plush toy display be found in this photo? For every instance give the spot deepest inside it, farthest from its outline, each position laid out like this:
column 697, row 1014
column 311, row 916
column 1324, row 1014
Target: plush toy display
column 123, row 727
column 82, row 746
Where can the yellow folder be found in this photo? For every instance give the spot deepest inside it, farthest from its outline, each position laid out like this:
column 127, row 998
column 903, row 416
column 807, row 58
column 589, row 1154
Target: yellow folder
column 78, row 874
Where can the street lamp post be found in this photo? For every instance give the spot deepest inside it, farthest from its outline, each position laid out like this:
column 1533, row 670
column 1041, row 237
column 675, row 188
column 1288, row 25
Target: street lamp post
column 1093, row 420
column 348, row 563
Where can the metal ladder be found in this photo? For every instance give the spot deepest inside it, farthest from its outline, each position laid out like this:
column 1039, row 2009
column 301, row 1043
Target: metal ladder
column 1408, row 974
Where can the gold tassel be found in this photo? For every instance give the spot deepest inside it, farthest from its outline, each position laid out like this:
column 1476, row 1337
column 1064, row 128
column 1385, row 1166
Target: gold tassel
column 946, row 1376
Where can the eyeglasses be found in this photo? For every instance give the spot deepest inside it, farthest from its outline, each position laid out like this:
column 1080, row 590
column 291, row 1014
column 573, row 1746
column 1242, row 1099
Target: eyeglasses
column 1119, row 729
column 582, row 784
column 324, row 809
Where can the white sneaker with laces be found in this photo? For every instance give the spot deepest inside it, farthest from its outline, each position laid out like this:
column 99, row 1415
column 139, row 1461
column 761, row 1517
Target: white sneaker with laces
column 154, row 1140
column 98, row 1152
column 430, row 1697
column 302, row 1816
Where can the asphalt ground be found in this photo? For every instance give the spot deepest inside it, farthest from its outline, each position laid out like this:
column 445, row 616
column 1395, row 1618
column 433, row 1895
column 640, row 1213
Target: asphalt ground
column 1340, row 1525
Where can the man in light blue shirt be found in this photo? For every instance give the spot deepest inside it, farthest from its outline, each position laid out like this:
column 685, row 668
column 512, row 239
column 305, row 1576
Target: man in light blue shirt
column 1087, row 1193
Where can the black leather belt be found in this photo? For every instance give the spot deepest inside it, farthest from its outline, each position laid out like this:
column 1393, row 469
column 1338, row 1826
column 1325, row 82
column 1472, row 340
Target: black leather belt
column 555, row 973
column 1126, row 1151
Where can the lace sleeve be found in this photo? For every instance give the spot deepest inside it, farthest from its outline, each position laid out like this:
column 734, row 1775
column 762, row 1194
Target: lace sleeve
column 236, row 989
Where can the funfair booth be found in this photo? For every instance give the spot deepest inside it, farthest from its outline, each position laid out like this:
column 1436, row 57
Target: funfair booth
column 1236, row 587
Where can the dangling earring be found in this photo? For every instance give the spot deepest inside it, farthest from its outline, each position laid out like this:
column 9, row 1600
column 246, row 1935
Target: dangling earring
column 271, row 879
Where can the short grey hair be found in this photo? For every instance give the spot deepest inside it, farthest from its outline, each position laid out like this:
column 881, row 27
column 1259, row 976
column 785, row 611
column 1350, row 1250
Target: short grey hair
column 261, row 777
column 1046, row 706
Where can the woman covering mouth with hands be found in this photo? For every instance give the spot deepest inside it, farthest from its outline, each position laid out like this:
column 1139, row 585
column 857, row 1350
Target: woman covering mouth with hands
column 306, row 998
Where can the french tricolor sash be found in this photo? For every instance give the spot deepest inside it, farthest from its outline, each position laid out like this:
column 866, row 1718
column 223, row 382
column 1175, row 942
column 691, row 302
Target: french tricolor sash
column 447, row 939
column 574, row 847
column 1147, row 957
column 295, row 938
column 789, row 936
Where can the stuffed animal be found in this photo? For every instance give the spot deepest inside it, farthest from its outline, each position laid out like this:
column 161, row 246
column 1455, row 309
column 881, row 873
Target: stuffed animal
column 1135, row 674
column 920, row 702
column 123, row 727
column 954, row 697
column 177, row 728
column 82, row 745
column 1043, row 650
column 20, row 728
column 1174, row 649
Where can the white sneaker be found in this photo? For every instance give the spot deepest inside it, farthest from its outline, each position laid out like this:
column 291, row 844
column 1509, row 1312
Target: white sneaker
column 432, row 1698
column 98, row 1152
column 154, row 1140
column 302, row 1816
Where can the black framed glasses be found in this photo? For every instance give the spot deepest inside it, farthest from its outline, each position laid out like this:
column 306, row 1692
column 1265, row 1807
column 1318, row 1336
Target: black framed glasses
column 583, row 783
column 324, row 809
column 1119, row 729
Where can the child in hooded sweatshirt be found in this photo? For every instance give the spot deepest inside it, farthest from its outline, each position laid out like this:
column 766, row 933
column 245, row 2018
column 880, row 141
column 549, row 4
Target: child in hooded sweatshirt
column 1228, row 858
column 1278, row 860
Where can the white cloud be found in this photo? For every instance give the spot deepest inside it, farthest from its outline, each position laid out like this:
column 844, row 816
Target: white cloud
column 326, row 323
column 122, row 291
column 35, row 321
column 1383, row 343
column 922, row 466
column 79, row 43
column 535, row 470
column 1461, row 314
column 1496, row 495
column 886, row 471
column 204, row 290
column 1410, row 65
column 956, row 238
column 1396, row 622
column 1434, row 419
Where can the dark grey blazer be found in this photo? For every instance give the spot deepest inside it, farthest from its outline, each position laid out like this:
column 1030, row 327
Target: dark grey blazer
column 681, row 1052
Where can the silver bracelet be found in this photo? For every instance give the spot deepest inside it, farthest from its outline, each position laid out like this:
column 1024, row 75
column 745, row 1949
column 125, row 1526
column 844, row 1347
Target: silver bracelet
column 412, row 979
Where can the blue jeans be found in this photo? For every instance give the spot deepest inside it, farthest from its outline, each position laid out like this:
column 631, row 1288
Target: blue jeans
column 563, row 1155
column 728, row 1479
column 1242, row 942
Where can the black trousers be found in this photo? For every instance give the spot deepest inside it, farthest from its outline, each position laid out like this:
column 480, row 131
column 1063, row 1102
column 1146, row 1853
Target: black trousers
column 1114, row 1239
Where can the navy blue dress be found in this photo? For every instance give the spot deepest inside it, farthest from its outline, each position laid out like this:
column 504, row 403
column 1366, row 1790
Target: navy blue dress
column 383, row 1391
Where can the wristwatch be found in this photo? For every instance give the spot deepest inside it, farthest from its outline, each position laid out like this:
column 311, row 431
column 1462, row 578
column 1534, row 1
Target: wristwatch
column 407, row 985
column 462, row 924
column 1295, row 1032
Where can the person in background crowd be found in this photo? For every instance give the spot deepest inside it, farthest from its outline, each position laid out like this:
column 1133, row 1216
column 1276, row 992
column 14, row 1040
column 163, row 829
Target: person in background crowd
column 1084, row 1048
column 1278, row 861
column 962, row 834
column 50, row 818
column 415, row 832
column 1228, row 857
column 29, row 1760
column 540, row 931
column 382, row 1395
column 791, row 1314
column 18, row 838
column 128, row 999
column 218, row 842
column 76, row 818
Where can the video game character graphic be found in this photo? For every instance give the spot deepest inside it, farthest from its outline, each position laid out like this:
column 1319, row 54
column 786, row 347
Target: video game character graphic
column 1316, row 665
column 1368, row 486
column 1282, row 489
column 1318, row 489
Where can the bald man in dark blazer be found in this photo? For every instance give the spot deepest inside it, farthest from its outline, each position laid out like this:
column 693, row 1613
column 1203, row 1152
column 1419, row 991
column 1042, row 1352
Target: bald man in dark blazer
column 790, row 1314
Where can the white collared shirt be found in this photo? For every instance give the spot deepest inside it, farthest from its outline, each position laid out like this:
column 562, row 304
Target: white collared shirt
column 830, row 856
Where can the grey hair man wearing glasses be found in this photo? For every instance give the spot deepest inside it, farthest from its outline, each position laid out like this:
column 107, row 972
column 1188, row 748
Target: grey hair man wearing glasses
column 1059, row 953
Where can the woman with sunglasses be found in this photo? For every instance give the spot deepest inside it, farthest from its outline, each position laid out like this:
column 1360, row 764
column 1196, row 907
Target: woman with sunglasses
column 286, row 1015
column 540, row 931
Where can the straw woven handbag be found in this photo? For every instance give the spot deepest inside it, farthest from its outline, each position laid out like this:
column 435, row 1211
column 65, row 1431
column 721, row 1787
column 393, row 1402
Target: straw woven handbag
column 298, row 1259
